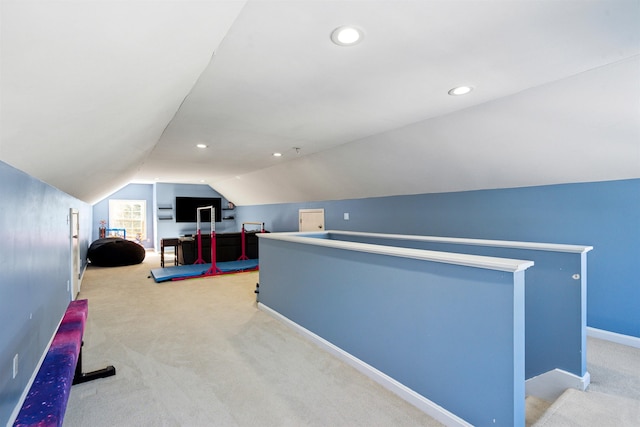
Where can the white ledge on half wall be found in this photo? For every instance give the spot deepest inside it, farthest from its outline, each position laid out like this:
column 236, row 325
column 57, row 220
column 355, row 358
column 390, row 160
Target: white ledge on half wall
column 552, row 247
column 477, row 261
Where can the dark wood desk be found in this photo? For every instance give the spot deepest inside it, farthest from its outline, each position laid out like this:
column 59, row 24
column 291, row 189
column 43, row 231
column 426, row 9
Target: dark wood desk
column 173, row 241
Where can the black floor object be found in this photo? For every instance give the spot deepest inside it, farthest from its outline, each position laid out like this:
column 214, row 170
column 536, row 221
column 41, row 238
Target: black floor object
column 115, row 252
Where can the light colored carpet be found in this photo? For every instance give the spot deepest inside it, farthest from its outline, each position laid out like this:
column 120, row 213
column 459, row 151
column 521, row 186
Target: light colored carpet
column 198, row 352
column 613, row 397
column 535, row 409
column 576, row 408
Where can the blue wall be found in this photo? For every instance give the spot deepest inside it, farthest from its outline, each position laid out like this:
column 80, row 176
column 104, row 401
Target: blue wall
column 166, row 196
column 605, row 215
column 35, row 263
column 417, row 321
column 129, row 192
column 162, row 195
column 555, row 301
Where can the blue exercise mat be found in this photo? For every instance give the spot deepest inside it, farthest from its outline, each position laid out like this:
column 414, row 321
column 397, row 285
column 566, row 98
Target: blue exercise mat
column 196, row 270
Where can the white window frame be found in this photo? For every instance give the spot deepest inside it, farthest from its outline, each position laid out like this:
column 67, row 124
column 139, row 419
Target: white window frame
column 124, row 214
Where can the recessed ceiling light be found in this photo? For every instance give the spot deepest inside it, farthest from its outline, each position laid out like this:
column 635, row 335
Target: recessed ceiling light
column 201, row 145
column 346, row 36
column 277, row 154
column 460, row 90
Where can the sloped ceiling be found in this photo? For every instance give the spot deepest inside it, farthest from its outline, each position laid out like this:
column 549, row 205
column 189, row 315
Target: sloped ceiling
column 99, row 94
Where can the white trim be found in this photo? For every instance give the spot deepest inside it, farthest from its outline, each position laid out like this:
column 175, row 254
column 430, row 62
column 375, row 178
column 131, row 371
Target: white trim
column 550, row 385
column 552, row 247
column 115, row 206
column 74, row 253
column 477, row 261
column 427, row 406
column 82, row 270
column 301, row 212
column 627, row 340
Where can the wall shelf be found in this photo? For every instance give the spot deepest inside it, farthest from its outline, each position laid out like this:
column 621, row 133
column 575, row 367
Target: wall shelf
column 229, row 215
column 165, row 212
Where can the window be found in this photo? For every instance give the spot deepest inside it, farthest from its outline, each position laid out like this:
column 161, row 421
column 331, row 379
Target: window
column 130, row 215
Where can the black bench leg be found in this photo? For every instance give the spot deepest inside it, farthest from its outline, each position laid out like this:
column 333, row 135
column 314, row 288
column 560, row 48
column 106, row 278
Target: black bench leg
column 80, row 377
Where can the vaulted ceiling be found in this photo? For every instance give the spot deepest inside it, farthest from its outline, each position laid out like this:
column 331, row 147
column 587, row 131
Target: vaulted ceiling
column 97, row 94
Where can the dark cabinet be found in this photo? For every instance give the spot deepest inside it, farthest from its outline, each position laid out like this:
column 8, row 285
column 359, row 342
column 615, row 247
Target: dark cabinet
column 228, row 247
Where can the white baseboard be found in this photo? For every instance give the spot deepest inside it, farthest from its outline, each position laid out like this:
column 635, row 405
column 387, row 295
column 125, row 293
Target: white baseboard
column 25, row 392
column 82, row 270
column 550, row 385
column 627, row 340
column 430, row 408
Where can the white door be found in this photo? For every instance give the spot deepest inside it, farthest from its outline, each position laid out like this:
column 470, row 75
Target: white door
column 74, row 230
column 311, row 219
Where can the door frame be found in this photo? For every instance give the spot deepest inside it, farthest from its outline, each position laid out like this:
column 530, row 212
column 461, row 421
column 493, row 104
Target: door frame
column 74, row 262
column 301, row 213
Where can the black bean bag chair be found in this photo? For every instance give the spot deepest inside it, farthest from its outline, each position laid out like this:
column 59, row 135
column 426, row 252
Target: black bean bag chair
column 115, row 252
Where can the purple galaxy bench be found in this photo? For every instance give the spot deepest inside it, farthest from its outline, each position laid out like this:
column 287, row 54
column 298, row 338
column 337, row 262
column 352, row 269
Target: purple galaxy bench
column 46, row 401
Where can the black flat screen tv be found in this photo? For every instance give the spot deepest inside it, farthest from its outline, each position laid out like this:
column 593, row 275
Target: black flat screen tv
column 186, row 209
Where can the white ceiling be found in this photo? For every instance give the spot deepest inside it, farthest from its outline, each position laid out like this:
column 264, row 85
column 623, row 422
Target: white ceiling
column 97, row 94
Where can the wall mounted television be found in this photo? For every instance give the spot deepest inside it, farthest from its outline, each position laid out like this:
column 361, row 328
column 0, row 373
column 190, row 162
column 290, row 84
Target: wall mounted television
column 186, row 208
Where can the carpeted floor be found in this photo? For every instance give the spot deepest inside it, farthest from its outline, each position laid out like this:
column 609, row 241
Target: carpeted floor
column 198, row 352
column 613, row 397
column 577, row 409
